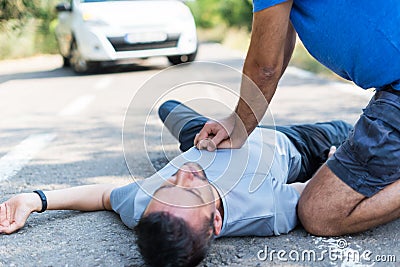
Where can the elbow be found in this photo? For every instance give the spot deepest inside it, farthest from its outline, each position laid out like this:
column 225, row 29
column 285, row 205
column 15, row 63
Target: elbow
column 267, row 76
column 263, row 74
column 269, row 72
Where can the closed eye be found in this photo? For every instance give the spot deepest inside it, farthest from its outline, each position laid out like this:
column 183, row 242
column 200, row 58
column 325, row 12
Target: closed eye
column 193, row 191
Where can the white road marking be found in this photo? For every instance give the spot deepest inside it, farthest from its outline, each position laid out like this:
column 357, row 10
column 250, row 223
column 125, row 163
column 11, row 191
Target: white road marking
column 16, row 159
column 77, row 106
column 103, row 83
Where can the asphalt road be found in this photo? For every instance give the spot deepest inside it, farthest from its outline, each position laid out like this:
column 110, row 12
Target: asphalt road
column 59, row 129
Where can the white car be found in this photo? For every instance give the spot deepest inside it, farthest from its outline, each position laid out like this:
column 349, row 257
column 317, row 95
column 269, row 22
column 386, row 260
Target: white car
column 92, row 33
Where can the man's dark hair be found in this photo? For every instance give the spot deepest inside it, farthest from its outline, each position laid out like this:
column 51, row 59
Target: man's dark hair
column 166, row 240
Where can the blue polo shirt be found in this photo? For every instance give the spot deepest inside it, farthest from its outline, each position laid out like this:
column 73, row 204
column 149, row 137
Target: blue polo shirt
column 358, row 40
column 251, row 181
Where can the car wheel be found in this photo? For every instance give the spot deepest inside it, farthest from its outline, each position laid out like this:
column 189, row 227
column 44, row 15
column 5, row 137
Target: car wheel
column 66, row 62
column 175, row 60
column 78, row 63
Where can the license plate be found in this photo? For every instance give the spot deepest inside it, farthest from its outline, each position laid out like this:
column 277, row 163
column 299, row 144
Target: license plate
column 145, row 37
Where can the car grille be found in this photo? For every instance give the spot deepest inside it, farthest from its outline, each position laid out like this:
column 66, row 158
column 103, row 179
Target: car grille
column 121, row 45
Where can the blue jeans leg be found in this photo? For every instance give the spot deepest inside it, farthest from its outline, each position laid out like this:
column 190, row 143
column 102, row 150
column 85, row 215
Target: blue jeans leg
column 183, row 122
column 313, row 142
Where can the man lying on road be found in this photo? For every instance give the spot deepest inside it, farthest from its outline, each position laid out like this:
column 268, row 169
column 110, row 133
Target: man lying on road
column 199, row 194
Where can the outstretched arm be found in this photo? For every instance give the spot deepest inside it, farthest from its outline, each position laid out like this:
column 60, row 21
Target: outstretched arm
column 15, row 211
column 272, row 42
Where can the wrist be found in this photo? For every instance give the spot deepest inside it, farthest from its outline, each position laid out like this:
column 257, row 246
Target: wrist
column 31, row 201
column 246, row 119
column 43, row 199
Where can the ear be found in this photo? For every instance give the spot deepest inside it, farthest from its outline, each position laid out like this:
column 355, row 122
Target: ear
column 217, row 223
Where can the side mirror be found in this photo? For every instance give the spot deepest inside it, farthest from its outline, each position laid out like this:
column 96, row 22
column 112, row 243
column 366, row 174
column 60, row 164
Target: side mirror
column 64, row 7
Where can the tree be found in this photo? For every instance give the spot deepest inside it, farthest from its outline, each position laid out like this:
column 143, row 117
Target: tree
column 237, row 13
column 28, row 24
column 234, row 13
column 22, row 10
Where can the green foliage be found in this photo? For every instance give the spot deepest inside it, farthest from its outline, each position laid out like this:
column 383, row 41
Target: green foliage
column 206, row 13
column 237, row 13
column 23, row 10
column 233, row 13
column 25, row 27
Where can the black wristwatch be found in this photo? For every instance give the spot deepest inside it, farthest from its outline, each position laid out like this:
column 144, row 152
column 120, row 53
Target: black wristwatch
column 43, row 199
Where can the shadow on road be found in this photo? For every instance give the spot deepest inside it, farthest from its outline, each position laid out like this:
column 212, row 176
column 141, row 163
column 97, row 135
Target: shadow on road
column 67, row 72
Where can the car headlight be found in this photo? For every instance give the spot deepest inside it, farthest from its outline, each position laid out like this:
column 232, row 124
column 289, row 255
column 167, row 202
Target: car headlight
column 92, row 20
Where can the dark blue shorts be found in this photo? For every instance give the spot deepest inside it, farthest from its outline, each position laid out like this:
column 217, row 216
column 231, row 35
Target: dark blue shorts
column 369, row 159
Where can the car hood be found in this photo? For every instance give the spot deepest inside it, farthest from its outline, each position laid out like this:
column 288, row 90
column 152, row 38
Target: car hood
column 137, row 13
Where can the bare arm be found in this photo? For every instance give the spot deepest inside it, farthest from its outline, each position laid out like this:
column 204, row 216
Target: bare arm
column 271, row 46
column 83, row 198
column 15, row 211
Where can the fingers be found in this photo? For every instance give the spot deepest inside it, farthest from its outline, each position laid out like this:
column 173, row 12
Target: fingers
column 211, row 144
column 207, row 144
column 204, row 133
column 10, row 228
column 8, row 213
column 332, row 150
column 210, row 136
column 3, row 216
column 196, row 139
column 6, row 229
column 11, row 219
column 4, row 219
column 225, row 144
column 216, row 140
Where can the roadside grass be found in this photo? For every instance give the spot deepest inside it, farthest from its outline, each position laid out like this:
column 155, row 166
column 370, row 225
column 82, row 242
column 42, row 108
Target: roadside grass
column 239, row 39
column 32, row 38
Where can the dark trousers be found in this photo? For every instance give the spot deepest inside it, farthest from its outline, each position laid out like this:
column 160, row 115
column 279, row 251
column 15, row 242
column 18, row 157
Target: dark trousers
column 311, row 140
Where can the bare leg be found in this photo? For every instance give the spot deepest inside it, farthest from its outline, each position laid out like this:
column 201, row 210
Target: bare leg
column 329, row 207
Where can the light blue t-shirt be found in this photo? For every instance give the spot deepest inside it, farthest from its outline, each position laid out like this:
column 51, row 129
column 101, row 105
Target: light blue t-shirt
column 252, row 182
column 358, row 40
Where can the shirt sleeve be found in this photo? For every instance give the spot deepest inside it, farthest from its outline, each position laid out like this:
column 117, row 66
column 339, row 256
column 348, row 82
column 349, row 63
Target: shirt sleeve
column 122, row 202
column 259, row 5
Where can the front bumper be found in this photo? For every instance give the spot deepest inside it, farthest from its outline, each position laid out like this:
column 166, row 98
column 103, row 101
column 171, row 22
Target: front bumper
column 98, row 45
